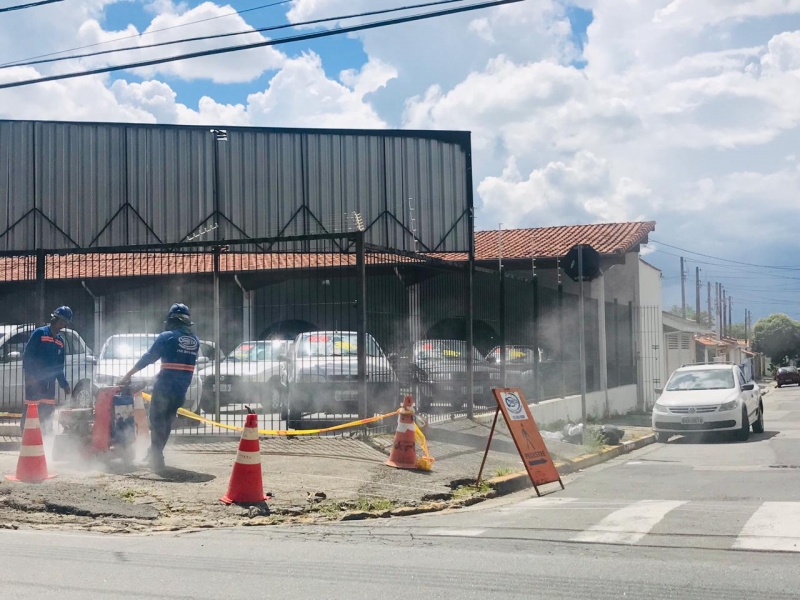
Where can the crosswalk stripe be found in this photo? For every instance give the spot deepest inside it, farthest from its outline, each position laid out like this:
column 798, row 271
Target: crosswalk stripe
column 774, row 526
column 456, row 532
column 630, row 524
column 534, row 503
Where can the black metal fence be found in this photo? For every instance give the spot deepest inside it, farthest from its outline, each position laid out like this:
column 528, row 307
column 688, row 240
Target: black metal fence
column 309, row 330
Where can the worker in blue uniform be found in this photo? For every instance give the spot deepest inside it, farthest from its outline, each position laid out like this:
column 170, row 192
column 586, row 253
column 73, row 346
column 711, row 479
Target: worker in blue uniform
column 177, row 348
column 43, row 365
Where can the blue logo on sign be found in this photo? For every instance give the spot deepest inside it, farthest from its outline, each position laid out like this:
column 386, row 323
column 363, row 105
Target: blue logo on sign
column 512, row 402
column 187, row 342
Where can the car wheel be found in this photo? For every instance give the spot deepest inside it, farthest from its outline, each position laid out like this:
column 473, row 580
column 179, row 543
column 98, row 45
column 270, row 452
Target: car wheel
column 744, row 433
column 663, row 438
column 758, row 424
column 274, row 401
column 82, row 396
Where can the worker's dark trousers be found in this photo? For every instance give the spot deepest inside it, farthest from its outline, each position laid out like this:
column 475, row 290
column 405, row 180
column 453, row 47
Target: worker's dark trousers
column 163, row 409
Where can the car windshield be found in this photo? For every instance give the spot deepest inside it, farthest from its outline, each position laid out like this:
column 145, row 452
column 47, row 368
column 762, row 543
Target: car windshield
column 334, row 344
column 443, row 349
column 710, row 379
column 127, row 347
column 787, row 370
column 258, row 351
column 515, row 354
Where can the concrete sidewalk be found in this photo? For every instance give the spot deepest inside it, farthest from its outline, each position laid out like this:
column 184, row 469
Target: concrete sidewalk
column 349, row 473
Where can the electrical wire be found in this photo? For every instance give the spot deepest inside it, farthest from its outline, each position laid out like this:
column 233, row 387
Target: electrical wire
column 276, row 42
column 29, row 5
column 128, row 37
column 727, row 260
column 231, row 34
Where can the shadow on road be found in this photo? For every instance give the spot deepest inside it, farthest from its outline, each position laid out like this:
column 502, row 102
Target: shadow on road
column 722, row 438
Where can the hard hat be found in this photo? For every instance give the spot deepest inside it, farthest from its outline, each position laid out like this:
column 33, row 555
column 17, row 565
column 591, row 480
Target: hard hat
column 179, row 312
column 62, row 312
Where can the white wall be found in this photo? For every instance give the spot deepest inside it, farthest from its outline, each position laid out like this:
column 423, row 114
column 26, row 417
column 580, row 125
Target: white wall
column 621, row 400
column 651, row 352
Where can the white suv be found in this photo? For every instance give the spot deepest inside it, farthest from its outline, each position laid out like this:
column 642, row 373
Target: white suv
column 708, row 397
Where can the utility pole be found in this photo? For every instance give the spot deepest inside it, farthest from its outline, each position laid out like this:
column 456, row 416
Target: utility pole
column 730, row 316
column 710, row 323
column 724, row 314
column 683, row 289
column 716, row 309
column 697, row 294
column 746, row 327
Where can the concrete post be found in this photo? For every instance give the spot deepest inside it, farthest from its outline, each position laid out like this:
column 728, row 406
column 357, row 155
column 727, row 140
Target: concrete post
column 599, row 293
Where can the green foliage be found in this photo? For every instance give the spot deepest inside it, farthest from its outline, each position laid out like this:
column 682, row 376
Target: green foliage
column 778, row 337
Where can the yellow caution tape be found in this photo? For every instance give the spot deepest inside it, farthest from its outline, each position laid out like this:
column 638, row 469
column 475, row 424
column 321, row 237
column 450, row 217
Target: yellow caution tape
column 424, row 462
column 7, row 415
column 189, row 414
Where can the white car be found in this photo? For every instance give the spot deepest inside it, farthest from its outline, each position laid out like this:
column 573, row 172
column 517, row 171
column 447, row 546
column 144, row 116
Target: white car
column 78, row 367
column 119, row 355
column 254, row 373
column 708, row 397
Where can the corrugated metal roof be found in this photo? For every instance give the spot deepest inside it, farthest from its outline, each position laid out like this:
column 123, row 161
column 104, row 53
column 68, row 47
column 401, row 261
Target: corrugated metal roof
column 86, row 185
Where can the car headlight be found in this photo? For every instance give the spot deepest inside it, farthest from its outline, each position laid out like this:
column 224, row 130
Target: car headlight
column 729, row 405
column 660, row 408
column 102, row 379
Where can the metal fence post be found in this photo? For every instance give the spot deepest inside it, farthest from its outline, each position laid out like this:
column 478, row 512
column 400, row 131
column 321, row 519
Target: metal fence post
column 217, row 353
column 537, row 383
column 582, row 342
column 470, row 336
column 361, row 323
column 561, row 338
column 503, row 326
column 41, row 309
column 616, row 340
column 633, row 338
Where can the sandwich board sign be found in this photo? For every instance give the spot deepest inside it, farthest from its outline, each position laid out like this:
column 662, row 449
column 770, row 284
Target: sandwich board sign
column 525, row 433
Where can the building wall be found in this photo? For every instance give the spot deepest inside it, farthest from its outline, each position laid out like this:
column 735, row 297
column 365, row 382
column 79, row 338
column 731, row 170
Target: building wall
column 650, row 352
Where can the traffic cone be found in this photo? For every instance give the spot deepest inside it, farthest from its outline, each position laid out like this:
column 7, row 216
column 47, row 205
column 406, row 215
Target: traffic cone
column 246, row 486
column 140, row 416
column 31, row 465
column 404, row 453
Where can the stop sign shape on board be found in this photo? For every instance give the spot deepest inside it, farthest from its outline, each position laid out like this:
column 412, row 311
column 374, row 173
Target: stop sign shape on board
column 591, row 262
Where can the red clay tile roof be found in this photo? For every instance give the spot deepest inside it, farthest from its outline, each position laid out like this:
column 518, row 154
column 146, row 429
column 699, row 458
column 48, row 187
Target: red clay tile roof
column 552, row 242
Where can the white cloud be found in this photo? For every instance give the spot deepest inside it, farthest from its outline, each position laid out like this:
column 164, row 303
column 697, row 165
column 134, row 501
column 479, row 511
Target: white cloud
column 372, row 76
column 169, row 25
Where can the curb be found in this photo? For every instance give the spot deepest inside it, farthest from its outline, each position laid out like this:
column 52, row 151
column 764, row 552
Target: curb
column 516, row 482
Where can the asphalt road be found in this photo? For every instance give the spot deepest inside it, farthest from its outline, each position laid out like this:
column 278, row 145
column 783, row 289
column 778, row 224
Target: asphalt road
column 690, row 521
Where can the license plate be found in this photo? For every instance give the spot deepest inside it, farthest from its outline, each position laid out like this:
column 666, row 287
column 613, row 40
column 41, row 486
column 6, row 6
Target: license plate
column 692, row 420
column 343, row 395
column 223, row 387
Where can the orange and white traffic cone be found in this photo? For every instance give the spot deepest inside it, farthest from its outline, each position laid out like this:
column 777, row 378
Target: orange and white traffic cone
column 246, row 486
column 404, row 453
column 31, row 465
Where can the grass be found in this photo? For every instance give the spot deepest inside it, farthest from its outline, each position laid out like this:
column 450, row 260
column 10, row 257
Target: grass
column 503, row 471
column 466, row 491
column 593, row 440
column 374, row 504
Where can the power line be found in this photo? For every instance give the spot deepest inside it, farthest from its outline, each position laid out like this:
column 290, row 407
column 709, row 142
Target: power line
column 29, row 5
column 127, row 37
column 239, row 48
column 727, row 260
column 230, row 34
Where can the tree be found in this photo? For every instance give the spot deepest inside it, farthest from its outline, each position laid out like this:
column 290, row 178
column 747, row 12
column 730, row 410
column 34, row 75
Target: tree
column 778, row 337
column 690, row 312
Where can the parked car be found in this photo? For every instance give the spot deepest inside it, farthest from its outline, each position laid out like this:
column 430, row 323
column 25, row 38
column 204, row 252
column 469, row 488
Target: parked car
column 79, row 364
column 520, row 364
column 254, row 373
column 119, row 355
column 436, row 371
column 712, row 397
column 787, row 376
column 322, row 373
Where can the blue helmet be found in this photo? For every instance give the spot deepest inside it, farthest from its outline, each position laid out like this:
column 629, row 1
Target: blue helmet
column 179, row 312
column 64, row 313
